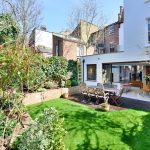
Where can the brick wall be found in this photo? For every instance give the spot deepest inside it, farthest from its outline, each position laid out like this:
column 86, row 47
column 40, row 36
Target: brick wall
column 33, row 98
column 111, row 38
column 69, row 50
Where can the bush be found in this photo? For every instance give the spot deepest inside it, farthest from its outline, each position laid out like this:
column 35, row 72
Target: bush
column 6, row 125
column 72, row 67
column 46, row 133
column 68, row 83
column 50, row 85
column 56, row 68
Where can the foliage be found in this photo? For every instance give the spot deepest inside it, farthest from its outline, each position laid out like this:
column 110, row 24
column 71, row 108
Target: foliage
column 56, row 68
column 18, row 66
column 72, row 67
column 11, row 123
column 50, row 85
column 46, row 133
column 8, row 28
column 147, row 77
column 68, row 83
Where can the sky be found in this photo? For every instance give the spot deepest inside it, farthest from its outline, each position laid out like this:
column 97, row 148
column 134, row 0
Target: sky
column 55, row 13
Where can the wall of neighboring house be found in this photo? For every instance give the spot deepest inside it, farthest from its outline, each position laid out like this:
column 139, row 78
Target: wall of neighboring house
column 69, row 50
column 43, row 38
column 111, row 38
column 65, row 47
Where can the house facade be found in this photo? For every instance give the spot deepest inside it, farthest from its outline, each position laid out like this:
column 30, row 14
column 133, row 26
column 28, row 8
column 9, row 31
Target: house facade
column 130, row 61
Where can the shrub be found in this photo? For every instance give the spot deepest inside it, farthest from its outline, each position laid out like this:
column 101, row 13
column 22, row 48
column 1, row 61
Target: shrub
column 56, row 68
column 46, row 133
column 50, row 85
column 6, row 125
column 72, row 67
column 68, row 83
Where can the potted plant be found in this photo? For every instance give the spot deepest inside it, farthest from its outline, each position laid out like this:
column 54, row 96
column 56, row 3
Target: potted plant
column 147, row 78
column 65, row 95
column 105, row 106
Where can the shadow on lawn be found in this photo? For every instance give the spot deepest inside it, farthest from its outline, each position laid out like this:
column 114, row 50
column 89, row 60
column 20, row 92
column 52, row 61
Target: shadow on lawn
column 94, row 127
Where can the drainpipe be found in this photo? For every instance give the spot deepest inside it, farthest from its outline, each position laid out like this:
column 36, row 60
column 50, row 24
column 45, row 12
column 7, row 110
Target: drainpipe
column 83, row 61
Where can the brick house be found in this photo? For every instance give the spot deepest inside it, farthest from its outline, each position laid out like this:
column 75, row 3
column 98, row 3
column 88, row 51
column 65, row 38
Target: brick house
column 107, row 40
column 67, row 46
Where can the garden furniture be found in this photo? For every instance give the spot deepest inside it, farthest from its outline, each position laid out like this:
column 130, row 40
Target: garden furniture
column 116, row 96
column 101, row 94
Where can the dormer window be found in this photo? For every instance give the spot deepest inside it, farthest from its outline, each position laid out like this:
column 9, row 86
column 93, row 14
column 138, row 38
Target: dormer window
column 111, row 29
column 149, row 30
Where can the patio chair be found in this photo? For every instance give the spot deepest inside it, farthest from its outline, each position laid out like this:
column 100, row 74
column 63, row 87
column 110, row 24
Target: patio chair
column 100, row 85
column 115, row 97
column 101, row 95
column 91, row 93
column 84, row 89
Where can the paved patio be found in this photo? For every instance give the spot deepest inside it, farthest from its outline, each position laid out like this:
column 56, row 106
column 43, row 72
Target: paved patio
column 126, row 103
column 135, row 93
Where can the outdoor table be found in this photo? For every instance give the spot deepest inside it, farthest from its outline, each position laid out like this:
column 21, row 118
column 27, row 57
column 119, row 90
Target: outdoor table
column 126, row 86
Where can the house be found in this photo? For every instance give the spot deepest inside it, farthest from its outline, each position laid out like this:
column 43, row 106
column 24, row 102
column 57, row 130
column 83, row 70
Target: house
column 83, row 32
column 106, row 40
column 130, row 61
column 51, row 44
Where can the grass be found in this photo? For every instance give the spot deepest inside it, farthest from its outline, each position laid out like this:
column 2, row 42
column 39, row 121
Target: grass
column 89, row 129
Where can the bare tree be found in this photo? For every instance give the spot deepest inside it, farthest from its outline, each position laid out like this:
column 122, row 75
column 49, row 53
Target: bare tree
column 27, row 13
column 85, row 20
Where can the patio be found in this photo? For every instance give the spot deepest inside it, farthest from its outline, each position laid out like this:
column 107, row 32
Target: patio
column 126, row 103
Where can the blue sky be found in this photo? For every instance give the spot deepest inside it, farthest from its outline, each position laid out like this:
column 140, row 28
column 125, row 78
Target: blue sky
column 55, row 12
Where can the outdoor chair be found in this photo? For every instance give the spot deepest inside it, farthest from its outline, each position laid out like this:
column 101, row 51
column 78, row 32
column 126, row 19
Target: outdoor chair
column 83, row 88
column 101, row 95
column 91, row 93
column 100, row 85
column 116, row 96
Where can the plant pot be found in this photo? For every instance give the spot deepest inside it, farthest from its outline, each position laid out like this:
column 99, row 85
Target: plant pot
column 105, row 106
column 65, row 95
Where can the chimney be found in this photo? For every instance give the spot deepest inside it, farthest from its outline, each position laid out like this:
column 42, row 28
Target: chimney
column 43, row 28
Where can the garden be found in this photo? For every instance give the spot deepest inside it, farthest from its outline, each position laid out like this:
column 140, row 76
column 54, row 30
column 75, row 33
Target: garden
column 90, row 129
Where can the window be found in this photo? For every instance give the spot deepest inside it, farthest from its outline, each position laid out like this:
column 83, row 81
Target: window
column 112, row 47
column 112, row 29
column 91, row 72
column 149, row 30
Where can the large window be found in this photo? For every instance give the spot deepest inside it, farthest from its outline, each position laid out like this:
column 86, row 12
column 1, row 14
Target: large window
column 149, row 30
column 91, row 72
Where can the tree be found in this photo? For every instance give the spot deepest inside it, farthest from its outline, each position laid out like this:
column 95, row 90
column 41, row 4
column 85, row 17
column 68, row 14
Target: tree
column 85, row 20
column 8, row 29
column 27, row 13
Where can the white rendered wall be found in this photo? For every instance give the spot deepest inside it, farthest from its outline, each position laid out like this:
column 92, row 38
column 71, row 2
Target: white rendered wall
column 136, row 13
column 121, row 37
column 43, row 38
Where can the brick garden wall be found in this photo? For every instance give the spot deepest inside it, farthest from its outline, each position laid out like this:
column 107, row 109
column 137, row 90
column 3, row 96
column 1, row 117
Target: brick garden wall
column 33, row 98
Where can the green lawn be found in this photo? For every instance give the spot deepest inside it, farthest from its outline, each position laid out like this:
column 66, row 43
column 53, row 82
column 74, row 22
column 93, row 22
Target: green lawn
column 89, row 129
